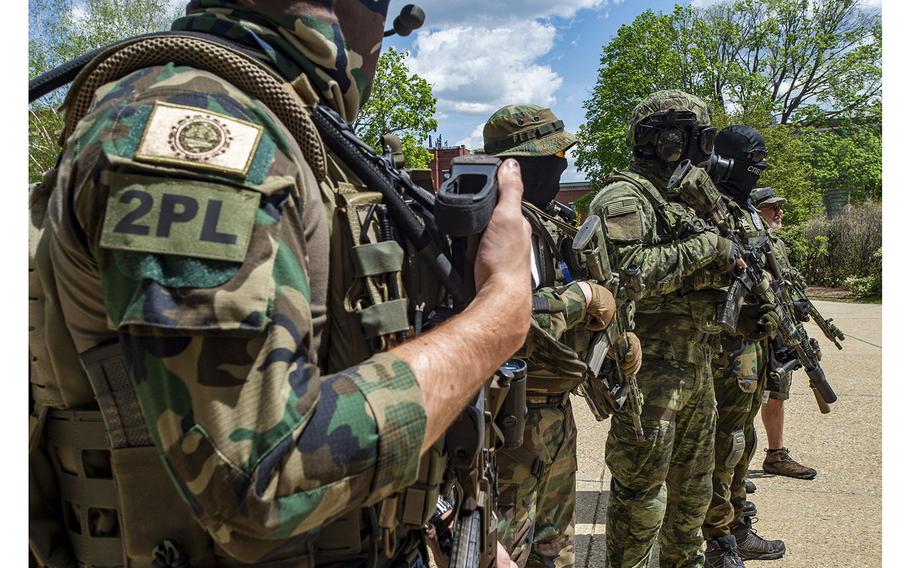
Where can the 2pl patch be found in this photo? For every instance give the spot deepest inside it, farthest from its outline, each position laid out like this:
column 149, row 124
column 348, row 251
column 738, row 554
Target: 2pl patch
column 184, row 218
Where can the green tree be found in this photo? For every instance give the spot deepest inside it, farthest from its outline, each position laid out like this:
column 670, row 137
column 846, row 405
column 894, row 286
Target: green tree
column 61, row 30
column 806, row 73
column 400, row 103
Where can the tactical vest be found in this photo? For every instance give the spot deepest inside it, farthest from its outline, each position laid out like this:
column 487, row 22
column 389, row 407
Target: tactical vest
column 93, row 455
column 675, row 325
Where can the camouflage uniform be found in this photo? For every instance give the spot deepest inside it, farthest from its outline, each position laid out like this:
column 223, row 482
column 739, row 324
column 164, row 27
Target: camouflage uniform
column 739, row 381
column 536, row 506
column 662, row 484
column 187, row 226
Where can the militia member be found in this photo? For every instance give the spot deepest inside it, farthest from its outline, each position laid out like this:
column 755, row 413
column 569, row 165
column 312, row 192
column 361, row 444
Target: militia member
column 778, row 460
column 739, row 373
column 230, row 411
column 537, row 481
column 661, row 484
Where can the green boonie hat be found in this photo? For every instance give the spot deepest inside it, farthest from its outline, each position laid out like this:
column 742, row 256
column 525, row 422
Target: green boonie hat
column 662, row 101
column 765, row 196
column 525, row 130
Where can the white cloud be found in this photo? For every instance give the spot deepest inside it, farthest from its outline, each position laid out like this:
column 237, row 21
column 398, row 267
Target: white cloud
column 477, row 69
column 444, row 13
column 704, row 3
column 475, row 140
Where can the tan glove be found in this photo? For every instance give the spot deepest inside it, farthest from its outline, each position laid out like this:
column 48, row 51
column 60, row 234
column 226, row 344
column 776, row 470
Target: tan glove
column 632, row 362
column 602, row 307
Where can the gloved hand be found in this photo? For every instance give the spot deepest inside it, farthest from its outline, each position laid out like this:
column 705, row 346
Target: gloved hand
column 757, row 322
column 602, row 307
column 727, row 253
column 631, row 364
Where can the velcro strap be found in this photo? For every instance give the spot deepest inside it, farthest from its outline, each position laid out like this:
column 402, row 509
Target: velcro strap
column 384, row 318
column 377, row 258
column 106, row 370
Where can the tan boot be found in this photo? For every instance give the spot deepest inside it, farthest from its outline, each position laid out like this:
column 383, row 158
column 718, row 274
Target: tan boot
column 779, row 462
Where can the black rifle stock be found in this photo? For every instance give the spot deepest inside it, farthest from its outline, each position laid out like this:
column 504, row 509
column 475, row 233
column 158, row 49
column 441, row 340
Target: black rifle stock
column 694, row 186
column 604, row 392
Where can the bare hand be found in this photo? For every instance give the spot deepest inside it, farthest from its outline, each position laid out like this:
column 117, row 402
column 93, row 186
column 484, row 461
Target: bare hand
column 504, row 252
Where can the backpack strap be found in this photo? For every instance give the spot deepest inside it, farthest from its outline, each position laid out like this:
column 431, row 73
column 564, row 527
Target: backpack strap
column 289, row 101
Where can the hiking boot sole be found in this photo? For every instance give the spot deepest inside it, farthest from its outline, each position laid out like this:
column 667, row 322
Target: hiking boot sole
column 766, row 556
column 807, row 475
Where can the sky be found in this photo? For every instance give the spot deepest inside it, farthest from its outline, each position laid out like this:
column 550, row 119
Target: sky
column 480, row 55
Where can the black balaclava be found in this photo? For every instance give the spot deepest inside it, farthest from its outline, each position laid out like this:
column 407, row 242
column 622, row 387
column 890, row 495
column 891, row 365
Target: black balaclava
column 540, row 176
column 743, row 145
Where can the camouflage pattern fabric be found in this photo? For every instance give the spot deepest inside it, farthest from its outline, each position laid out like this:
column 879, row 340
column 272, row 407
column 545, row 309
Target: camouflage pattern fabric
column 536, row 504
column 554, row 367
column 336, row 44
column 221, row 344
column 525, row 130
column 738, row 386
column 661, row 486
column 662, row 101
column 536, row 507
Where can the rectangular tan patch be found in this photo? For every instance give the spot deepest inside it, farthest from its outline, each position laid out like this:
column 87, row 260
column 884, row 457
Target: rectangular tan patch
column 198, row 138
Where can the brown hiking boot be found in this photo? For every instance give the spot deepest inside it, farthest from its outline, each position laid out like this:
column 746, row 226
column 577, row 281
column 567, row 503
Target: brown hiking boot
column 779, row 462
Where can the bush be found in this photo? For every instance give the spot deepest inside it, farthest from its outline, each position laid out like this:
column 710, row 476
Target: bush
column 845, row 250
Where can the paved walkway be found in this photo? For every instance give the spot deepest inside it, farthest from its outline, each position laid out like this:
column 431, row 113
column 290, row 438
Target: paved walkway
column 831, row 521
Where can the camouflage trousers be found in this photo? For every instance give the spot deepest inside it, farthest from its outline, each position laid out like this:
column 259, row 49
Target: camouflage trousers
column 739, row 377
column 661, row 486
column 537, row 489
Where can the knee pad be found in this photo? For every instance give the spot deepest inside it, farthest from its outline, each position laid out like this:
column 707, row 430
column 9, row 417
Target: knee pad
column 737, row 447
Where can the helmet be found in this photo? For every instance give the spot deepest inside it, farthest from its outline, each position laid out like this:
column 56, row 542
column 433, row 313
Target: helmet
column 663, row 123
column 744, row 149
column 525, row 130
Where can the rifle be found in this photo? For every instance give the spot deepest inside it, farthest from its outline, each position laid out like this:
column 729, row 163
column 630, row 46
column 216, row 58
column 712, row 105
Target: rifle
column 793, row 290
column 609, row 391
column 694, row 186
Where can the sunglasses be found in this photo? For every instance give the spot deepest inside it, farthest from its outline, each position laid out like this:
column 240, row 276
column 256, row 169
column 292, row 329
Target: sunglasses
column 775, row 207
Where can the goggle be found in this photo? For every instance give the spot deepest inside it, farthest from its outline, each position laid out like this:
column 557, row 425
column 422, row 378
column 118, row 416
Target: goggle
column 757, row 156
column 560, row 154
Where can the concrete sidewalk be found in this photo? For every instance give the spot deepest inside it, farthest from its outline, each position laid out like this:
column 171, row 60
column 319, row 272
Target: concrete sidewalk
column 831, row 521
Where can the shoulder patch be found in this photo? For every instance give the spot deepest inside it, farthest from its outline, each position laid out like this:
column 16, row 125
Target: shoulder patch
column 623, row 220
column 184, row 218
column 198, row 138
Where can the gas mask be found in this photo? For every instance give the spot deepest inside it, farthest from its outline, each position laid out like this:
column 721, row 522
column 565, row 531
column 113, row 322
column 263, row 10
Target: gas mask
column 675, row 135
column 540, row 176
column 739, row 161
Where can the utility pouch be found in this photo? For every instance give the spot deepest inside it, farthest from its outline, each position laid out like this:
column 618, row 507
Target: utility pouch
column 512, row 415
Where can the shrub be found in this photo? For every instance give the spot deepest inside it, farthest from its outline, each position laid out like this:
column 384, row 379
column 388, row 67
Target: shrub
column 845, row 250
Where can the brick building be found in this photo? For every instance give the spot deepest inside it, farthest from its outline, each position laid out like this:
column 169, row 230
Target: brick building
column 442, row 161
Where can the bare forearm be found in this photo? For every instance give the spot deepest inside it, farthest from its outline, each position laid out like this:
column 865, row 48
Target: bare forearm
column 452, row 362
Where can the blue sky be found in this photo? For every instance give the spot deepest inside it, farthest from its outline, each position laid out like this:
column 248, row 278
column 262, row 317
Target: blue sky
column 482, row 54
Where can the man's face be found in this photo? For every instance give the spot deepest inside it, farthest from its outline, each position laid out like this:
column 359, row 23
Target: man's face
column 772, row 214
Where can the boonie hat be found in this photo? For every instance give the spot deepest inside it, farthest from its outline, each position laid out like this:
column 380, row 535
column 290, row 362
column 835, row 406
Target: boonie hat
column 525, row 130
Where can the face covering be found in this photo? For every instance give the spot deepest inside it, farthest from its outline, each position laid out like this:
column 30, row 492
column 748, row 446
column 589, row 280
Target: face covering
column 335, row 44
column 746, row 148
column 540, row 177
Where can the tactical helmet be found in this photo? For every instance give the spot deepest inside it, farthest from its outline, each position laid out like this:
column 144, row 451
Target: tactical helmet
column 665, row 111
column 525, row 130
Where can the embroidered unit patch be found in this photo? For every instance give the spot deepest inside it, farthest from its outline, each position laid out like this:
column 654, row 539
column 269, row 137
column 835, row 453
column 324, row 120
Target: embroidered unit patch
column 198, row 138
column 184, row 218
